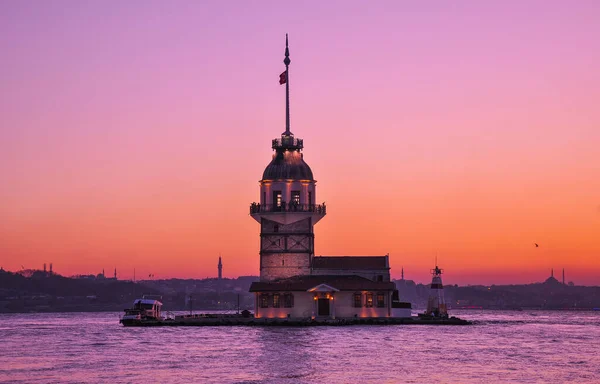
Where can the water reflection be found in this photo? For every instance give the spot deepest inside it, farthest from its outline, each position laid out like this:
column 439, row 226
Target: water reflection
column 501, row 347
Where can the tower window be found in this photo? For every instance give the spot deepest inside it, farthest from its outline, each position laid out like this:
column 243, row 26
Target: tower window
column 296, row 197
column 277, row 200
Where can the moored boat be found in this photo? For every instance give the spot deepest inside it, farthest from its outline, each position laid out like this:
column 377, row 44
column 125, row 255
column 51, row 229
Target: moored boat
column 144, row 310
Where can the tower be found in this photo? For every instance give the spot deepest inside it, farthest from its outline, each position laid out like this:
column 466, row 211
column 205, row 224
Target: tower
column 220, row 266
column 563, row 276
column 287, row 211
column 115, row 273
column 436, row 303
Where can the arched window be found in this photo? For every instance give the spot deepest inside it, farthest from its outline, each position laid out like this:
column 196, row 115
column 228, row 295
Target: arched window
column 288, row 300
column 380, row 299
column 264, row 300
column 369, row 300
column 357, row 300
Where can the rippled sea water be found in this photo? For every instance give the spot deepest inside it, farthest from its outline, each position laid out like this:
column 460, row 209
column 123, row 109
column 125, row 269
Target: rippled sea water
column 518, row 347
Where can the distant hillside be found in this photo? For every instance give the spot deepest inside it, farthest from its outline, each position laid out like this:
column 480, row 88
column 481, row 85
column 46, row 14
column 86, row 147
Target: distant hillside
column 50, row 292
column 46, row 292
column 548, row 295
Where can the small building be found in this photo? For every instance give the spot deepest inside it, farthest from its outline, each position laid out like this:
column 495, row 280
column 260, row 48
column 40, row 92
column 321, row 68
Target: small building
column 294, row 283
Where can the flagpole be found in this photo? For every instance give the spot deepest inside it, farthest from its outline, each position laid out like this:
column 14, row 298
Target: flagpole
column 287, row 62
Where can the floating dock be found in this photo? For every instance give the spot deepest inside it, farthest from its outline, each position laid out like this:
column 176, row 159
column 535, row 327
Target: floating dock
column 239, row 320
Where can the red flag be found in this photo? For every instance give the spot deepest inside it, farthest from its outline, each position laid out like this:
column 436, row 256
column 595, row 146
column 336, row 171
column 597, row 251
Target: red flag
column 283, row 78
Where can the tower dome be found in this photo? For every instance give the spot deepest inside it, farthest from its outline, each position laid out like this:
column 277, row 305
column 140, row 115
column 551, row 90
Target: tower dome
column 288, row 162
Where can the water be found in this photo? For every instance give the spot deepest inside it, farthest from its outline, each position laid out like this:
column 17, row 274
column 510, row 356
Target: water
column 519, row 347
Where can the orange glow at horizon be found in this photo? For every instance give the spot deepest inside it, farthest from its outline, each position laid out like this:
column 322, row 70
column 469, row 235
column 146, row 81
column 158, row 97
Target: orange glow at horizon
column 442, row 134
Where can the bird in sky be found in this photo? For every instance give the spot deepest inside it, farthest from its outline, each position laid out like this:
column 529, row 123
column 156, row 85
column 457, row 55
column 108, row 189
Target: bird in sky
column 536, row 245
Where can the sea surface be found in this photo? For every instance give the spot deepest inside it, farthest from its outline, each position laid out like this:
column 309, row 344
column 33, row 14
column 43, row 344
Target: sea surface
column 501, row 347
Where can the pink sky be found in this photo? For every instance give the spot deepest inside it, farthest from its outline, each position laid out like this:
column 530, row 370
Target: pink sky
column 133, row 134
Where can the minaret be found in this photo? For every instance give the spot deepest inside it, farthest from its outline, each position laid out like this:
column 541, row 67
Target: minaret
column 552, row 272
column 287, row 211
column 115, row 273
column 402, row 273
column 563, row 276
column 220, row 266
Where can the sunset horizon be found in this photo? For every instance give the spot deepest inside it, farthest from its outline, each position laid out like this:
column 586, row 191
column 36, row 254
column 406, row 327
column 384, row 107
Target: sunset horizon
column 135, row 138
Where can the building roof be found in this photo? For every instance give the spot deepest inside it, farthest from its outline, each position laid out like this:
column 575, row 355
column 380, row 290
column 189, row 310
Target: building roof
column 350, row 262
column 287, row 165
column 304, row 283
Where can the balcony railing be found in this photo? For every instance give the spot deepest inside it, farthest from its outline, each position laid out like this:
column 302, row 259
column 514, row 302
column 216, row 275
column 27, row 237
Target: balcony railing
column 288, row 207
column 287, row 142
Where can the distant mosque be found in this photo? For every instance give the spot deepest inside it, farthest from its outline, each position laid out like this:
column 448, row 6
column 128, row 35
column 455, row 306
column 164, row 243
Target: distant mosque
column 294, row 283
column 554, row 281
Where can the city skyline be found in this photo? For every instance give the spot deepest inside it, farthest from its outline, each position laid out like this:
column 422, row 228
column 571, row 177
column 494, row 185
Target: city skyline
column 137, row 135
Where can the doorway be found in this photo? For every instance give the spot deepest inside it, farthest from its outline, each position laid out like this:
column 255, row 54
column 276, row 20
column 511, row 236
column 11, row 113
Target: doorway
column 323, row 307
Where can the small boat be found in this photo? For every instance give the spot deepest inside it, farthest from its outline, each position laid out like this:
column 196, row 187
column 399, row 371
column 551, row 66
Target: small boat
column 144, row 310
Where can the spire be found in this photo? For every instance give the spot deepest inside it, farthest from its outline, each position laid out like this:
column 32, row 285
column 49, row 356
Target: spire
column 220, row 268
column 402, row 273
column 287, row 62
column 552, row 272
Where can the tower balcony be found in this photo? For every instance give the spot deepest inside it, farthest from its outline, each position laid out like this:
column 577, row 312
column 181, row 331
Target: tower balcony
column 288, row 207
column 287, row 142
column 287, row 213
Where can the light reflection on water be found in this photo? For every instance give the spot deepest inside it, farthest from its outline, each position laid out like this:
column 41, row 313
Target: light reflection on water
column 523, row 347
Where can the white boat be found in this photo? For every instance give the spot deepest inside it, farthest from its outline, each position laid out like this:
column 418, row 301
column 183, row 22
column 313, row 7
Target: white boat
column 144, row 310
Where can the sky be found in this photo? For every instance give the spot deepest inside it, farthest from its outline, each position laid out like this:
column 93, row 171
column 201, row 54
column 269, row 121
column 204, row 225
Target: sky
column 133, row 134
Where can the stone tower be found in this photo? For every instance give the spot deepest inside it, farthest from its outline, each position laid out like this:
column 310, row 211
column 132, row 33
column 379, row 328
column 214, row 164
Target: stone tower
column 287, row 211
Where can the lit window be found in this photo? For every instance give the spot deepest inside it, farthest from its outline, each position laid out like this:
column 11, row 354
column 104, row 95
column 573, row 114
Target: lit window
column 369, row 302
column 380, row 300
column 276, row 300
column 357, row 300
column 277, row 199
column 264, row 300
column 288, row 300
column 296, row 197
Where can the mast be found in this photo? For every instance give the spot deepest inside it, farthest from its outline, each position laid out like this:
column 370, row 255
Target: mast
column 287, row 62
